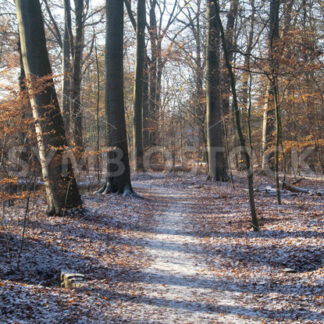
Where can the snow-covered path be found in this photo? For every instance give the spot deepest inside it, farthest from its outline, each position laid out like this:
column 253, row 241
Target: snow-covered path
column 177, row 287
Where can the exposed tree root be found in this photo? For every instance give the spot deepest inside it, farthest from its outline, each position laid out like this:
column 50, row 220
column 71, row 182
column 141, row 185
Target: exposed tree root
column 126, row 191
column 108, row 189
column 224, row 178
column 132, row 195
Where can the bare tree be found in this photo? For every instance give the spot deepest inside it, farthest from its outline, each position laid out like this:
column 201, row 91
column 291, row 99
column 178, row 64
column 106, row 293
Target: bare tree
column 249, row 167
column 77, row 50
column 66, row 66
column 230, row 43
column 158, row 27
column 269, row 112
column 217, row 166
column 139, row 85
column 61, row 189
column 194, row 57
column 118, row 177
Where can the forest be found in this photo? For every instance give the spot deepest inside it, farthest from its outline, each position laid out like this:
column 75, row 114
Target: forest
column 161, row 161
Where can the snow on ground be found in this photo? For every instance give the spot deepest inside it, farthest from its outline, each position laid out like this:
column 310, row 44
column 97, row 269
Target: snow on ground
column 184, row 254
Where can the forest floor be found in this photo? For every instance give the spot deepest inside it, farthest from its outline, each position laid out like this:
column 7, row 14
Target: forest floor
column 184, row 254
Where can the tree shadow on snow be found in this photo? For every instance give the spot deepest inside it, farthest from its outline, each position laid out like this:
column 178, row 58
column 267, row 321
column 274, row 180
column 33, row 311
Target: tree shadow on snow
column 256, row 313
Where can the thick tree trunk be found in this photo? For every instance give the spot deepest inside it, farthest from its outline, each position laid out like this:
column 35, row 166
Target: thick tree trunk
column 77, row 77
column 61, row 189
column 118, row 178
column 217, row 166
column 138, row 89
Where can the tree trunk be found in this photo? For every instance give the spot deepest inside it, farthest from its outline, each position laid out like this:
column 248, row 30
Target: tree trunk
column 201, row 107
column 236, row 111
column 146, row 122
column 23, row 136
column 247, row 78
column 61, row 189
column 269, row 112
column 278, row 135
column 118, row 178
column 217, row 167
column 229, row 120
column 153, row 109
column 77, row 77
column 231, row 18
column 97, row 111
column 138, row 89
column 66, row 66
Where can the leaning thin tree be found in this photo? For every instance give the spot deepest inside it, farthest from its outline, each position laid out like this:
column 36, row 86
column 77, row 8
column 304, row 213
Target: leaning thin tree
column 248, row 163
column 61, row 188
column 118, row 176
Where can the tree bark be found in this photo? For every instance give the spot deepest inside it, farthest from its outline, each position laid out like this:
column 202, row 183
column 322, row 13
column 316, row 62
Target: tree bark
column 199, row 73
column 247, row 77
column 118, row 177
column 77, row 77
column 236, row 111
column 269, row 112
column 153, row 109
column 146, row 122
column 61, row 189
column 231, row 18
column 97, row 111
column 229, row 120
column 217, row 166
column 138, row 89
column 66, row 103
column 272, row 121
